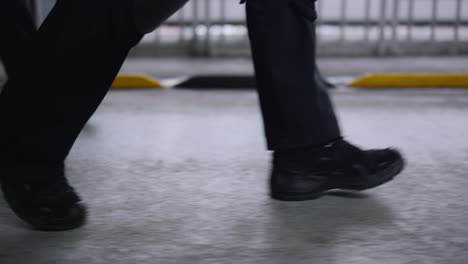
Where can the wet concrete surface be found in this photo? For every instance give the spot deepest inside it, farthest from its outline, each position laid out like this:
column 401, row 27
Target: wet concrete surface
column 179, row 176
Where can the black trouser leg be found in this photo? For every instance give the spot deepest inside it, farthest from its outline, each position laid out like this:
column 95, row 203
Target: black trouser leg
column 296, row 112
column 74, row 58
column 72, row 61
column 17, row 29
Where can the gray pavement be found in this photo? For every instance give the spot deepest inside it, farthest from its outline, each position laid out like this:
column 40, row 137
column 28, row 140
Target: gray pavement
column 330, row 66
column 179, row 176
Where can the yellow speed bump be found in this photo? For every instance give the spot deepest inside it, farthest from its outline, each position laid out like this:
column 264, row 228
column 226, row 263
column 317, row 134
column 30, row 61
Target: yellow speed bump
column 457, row 80
column 134, row 81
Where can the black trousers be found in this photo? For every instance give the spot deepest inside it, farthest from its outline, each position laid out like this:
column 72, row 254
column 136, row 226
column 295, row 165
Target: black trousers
column 43, row 106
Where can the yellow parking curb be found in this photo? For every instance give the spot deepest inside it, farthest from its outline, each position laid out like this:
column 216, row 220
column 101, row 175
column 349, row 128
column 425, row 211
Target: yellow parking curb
column 132, row 81
column 458, row 80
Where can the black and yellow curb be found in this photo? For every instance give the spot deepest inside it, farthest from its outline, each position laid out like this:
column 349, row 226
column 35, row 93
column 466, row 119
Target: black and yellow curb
column 135, row 81
column 218, row 82
column 456, row 80
column 383, row 80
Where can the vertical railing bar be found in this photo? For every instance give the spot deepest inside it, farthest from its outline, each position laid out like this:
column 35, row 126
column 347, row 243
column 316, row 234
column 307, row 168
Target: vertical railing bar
column 382, row 24
column 195, row 22
column 433, row 20
column 159, row 36
column 157, row 39
column 409, row 36
column 344, row 21
column 207, row 48
column 181, row 17
column 457, row 26
column 367, row 13
column 223, row 14
column 395, row 22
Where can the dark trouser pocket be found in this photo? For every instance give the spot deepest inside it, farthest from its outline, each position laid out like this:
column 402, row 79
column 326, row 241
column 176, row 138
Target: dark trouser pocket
column 305, row 8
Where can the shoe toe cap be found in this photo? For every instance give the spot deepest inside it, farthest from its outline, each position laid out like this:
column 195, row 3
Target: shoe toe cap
column 65, row 219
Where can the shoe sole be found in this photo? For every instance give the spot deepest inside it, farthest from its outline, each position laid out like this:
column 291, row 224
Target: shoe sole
column 375, row 180
column 57, row 224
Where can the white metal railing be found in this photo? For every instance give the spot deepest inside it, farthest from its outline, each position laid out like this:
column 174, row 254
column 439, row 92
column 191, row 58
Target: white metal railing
column 345, row 27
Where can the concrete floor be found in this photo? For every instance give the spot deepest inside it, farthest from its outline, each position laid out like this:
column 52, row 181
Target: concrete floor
column 179, row 176
column 330, row 66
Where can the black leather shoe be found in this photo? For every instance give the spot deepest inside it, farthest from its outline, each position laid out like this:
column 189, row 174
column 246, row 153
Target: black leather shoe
column 43, row 198
column 307, row 174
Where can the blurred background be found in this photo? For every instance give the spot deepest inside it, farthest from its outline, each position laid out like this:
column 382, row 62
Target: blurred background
column 355, row 37
column 345, row 28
